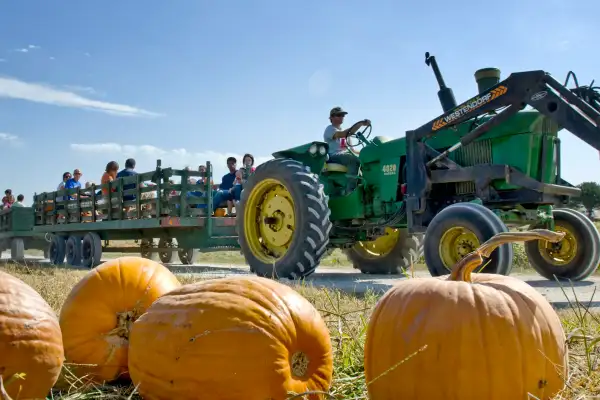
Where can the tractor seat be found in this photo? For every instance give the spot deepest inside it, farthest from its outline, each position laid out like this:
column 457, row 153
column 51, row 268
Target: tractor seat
column 332, row 167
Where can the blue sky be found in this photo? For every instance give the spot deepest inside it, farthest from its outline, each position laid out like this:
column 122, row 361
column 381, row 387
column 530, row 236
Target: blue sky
column 83, row 83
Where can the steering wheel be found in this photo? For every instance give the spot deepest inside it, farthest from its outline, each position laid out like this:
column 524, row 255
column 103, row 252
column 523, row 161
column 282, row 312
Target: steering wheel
column 362, row 137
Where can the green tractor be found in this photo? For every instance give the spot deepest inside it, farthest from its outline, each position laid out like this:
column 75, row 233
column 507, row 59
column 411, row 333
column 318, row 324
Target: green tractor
column 480, row 168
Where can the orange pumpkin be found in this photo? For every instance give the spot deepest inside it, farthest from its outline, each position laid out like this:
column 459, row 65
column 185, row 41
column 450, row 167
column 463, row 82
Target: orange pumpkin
column 220, row 212
column 237, row 338
column 98, row 313
column 466, row 336
column 30, row 340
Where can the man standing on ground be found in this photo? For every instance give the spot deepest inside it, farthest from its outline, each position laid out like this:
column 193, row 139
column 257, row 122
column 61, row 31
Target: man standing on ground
column 336, row 137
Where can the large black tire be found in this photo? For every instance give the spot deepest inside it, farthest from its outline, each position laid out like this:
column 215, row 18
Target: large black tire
column 91, row 250
column 475, row 220
column 407, row 249
column 579, row 231
column 295, row 196
column 186, row 256
column 73, row 250
column 165, row 256
column 57, row 249
column 146, row 246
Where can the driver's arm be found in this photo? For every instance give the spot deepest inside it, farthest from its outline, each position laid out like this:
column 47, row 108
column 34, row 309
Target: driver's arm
column 344, row 133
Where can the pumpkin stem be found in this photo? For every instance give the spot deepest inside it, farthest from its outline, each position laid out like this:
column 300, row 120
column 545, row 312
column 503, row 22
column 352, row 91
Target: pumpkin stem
column 300, row 363
column 124, row 322
column 463, row 269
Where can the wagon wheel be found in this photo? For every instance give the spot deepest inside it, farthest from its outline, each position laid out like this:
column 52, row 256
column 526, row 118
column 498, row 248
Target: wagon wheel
column 186, row 256
column 165, row 256
column 146, row 246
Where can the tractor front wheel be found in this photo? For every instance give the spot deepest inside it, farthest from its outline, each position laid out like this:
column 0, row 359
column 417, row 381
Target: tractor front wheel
column 458, row 230
column 391, row 253
column 283, row 220
column 575, row 257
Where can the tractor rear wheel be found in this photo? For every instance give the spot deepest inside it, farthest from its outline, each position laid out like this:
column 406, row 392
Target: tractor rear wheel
column 575, row 257
column 391, row 253
column 283, row 220
column 458, row 230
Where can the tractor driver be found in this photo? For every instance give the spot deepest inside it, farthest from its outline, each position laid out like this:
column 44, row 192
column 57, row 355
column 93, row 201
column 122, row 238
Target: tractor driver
column 336, row 137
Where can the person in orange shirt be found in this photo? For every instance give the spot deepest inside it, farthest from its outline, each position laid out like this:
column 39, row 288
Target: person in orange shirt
column 110, row 174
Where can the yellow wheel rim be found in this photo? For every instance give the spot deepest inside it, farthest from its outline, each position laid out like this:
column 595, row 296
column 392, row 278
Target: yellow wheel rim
column 563, row 252
column 269, row 220
column 381, row 246
column 456, row 243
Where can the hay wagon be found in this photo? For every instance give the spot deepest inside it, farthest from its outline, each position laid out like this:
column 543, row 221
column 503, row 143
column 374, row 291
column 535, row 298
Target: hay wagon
column 158, row 215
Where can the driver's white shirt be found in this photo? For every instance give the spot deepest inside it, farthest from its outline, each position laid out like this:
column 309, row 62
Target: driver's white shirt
column 335, row 145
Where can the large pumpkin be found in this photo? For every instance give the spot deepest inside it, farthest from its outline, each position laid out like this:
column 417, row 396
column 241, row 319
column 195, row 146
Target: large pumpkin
column 97, row 315
column 466, row 336
column 237, row 338
column 30, row 340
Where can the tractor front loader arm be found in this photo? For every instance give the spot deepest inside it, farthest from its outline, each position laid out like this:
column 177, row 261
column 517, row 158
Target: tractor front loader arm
column 535, row 88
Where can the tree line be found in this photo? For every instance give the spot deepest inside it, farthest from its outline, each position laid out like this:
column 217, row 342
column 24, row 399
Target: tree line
column 589, row 199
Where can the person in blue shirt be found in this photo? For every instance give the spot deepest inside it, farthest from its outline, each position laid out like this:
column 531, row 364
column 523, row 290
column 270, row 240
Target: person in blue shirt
column 225, row 192
column 128, row 171
column 73, row 183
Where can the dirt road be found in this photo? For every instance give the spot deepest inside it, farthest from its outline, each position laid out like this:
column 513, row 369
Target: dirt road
column 351, row 281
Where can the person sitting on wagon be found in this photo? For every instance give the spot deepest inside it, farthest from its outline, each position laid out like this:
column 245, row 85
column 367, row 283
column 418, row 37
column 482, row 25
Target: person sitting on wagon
column 201, row 182
column 225, row 192
column 241, row 176
column 109, row 175
column 19, row 202
column 8, row 199
column 73, row 183
column 129, row 170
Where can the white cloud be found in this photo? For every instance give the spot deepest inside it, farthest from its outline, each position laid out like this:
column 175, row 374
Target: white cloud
column 39, row 93
column 27, row 49
column 51, row 58
column 82, row 89
column 146, row 156
column 9, row 139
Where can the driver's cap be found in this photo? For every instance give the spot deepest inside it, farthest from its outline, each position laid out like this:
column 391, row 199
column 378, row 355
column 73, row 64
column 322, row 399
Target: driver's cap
column 337, row 110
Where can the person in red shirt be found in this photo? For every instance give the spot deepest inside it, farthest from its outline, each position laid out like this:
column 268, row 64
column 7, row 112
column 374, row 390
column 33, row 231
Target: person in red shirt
column 8, row 199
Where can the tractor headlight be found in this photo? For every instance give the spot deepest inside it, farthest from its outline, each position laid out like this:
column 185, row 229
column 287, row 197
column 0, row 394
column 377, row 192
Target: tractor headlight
column 313, row 149
column 322, row 150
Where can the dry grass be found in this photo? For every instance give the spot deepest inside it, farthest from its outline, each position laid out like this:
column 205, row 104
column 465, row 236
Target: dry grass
column 347, row 317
